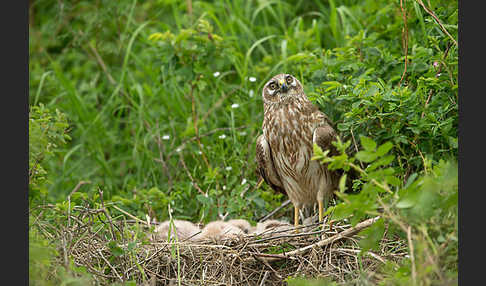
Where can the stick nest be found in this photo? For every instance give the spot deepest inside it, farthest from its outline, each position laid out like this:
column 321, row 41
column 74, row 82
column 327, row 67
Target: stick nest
column 116, row 249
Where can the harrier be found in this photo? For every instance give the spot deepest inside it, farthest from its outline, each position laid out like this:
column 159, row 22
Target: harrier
column 291, row 125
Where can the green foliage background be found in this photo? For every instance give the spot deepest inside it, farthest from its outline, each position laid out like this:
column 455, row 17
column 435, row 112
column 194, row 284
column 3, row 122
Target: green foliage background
column 158, row 102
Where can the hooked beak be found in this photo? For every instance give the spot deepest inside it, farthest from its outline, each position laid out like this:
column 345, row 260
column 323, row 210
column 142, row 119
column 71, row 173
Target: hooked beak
column 283, row 86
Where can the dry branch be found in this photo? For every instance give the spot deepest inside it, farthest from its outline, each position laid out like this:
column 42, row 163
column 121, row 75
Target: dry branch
column 347, row 233
column 431, row 13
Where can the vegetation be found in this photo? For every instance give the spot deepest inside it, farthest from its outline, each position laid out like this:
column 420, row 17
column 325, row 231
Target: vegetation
column 155, row 105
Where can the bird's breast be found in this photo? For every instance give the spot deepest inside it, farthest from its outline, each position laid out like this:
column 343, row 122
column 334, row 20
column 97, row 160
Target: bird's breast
column 289, row 132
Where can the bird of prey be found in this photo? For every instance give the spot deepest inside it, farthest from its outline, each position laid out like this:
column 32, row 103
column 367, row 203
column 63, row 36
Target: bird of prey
column 291, row 125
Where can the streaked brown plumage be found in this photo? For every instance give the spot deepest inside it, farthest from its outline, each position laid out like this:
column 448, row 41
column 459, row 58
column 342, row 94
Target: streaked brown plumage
column 291, row 124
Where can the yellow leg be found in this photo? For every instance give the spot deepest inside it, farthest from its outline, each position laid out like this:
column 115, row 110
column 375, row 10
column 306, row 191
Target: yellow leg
column 296, row 217
column 321, row 210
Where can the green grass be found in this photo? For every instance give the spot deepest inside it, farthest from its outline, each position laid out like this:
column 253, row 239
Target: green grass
column 136, row 81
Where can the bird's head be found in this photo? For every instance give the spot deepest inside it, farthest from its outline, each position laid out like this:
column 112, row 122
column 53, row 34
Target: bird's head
column 281, row 88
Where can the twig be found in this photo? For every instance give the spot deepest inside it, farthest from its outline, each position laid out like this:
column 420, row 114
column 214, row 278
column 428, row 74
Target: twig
column 104, row 210
column 102, row 64
column 437, row 74
column 356, row 147
column 264, row 278
column 69, row 198
column 374, row 181
column 421, row 155
column 376, row 256
column 260, row 182
column 426, row 103
column 412, row 256
column 404, row 40
column 189, row 8
column 195, row 121
column 161, row 157
column 390, row 215
column 77, row 187
column 65, row 254
column 190, row 176
column 130, row 215
column 284, row 204
column 431, row 13
column 109, row 264
column 289, row 235
column 347, row 233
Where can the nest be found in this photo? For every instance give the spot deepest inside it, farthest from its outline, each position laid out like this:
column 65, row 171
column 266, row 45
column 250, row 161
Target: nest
column 109, row 249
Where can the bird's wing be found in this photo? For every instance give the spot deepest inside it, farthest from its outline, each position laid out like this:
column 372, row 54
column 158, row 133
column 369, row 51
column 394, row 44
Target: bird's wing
column 266, row 167
column 324, row 134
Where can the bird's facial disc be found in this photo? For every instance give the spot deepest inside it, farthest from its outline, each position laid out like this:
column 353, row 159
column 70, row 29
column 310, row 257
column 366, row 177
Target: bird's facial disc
column 281, row 87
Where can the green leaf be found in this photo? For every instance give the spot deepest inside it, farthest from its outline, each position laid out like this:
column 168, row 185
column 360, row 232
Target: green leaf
column 342, row 183
column 392, row 180
column 410, row 180
column 115, row 249
column 381, row 162
column 405, row 203
column 383, row 149
column 341, row 211
column 366, row 156
column 203, row 199
column 373, row 236
column 367, row 143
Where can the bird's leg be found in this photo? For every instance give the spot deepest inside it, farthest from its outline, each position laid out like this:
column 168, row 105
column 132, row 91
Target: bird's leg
column 321, row 216
column 321, row 210
column 296, row 217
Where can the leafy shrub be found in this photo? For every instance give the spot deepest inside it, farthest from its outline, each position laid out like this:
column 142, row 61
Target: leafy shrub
column 422, row 210
column 47, row 131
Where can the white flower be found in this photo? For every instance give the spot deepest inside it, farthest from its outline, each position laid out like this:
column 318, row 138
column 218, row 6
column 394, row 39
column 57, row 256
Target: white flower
column 242, row 133
column 199, row 152
column 178, row 150
column 243, row 181
column 235, row 105
column 165, row 137
column 222, row 136
column 252, row 79
column 229, row 168
column 250, row 94
column 224, row 187
column 216, row 74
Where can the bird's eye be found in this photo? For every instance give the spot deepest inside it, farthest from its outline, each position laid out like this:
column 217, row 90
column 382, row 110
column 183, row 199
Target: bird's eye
column 289, row 79
column 272, row 86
